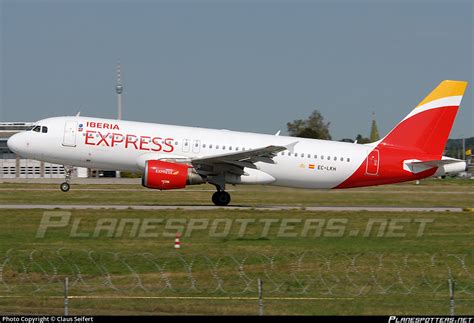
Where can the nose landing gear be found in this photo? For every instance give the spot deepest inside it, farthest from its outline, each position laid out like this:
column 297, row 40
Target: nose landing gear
column 65, row 186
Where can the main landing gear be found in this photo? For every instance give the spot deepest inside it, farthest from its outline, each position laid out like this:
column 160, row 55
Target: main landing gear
column 65, row 186
column 221, row 198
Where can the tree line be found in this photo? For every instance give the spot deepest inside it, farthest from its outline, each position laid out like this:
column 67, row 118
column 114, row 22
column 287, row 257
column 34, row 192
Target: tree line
column 316, row 127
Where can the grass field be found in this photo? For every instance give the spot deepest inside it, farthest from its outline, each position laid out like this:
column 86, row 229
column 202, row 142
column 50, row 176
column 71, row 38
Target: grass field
column 310, row 262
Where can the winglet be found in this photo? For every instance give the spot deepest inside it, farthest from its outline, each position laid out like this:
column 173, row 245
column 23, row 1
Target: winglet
column 278, row 133
column 291, row 146
column 78, row 113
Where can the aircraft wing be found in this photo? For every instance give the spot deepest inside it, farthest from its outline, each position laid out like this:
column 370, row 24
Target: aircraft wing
column 237, row 160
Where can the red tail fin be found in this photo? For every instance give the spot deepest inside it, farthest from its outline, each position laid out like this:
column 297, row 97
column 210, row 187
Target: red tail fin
column 427, row 127
column 421, row 136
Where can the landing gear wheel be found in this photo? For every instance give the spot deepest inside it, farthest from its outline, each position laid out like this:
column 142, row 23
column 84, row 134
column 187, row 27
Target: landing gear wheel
column 221, row 198
column 65, row 187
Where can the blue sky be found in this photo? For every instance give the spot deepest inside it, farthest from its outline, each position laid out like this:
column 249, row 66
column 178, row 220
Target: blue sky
column 240, row 65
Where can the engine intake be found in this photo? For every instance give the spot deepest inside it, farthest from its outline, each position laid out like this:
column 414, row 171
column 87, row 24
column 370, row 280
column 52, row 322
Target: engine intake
column 164, row 175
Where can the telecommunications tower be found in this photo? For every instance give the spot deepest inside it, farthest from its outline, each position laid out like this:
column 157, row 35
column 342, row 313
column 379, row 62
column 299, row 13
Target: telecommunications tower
column 119, row 91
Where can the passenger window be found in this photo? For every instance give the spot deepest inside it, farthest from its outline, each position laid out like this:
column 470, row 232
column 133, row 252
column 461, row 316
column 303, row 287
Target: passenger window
column 348, row 159
column 309, row 156
column 315, row 156
column 223, row 147
column 37, row 129
column 217, row 146
column 44, row 129
column 203, row 145
column 329, row 157
column 236, row 148
column 322, row 156
column 335, row 158
column 342, row 159
column 230, row 147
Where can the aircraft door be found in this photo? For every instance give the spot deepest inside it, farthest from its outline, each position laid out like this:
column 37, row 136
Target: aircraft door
column 196, row 146
column 70, row 130
column 186, row 144
column 373, row 162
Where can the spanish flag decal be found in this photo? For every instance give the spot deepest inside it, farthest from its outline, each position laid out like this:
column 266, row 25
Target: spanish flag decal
column 311, row 166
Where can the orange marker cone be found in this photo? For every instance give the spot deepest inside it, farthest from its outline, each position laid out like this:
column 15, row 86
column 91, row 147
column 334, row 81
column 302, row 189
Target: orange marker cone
column 177, row 243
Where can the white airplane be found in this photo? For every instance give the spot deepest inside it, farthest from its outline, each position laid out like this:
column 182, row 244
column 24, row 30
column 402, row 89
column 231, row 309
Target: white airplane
column 171, row 157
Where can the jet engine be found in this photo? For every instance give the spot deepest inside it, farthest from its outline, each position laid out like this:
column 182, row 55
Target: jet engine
column 164, row 175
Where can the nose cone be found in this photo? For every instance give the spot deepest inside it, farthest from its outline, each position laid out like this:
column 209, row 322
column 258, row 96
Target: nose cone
column 15, row 143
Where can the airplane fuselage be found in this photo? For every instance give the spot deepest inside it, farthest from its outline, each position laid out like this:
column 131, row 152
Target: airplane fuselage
column 125, row 145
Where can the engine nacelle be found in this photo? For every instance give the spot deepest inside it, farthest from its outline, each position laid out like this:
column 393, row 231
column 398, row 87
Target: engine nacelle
column 164, row 175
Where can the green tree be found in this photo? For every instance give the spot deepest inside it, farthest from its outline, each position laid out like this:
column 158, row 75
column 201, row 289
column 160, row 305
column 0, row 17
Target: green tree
column 313, row 127
column 374, row 131
column 362, row 140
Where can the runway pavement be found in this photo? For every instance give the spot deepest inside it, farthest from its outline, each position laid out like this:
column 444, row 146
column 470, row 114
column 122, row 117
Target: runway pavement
column 233, row 207
column 188, row 190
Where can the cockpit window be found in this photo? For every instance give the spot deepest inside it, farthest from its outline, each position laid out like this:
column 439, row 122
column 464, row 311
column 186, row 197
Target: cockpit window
column 29, row 128
column 37, row 129
column 44, row 129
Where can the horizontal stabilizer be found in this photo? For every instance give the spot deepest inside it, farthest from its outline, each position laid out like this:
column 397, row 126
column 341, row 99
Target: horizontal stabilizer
column 416, row 166
column 437, row 163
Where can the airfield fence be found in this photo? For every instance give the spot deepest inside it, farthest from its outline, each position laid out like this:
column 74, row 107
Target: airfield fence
column 311, row 274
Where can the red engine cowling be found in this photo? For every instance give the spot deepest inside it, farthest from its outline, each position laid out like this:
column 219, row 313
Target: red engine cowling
column 164, row 175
